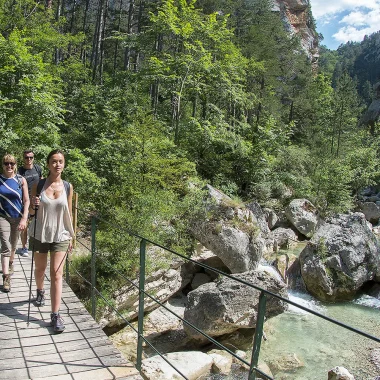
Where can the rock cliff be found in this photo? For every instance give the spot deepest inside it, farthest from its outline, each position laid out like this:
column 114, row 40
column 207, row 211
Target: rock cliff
column 298, row 19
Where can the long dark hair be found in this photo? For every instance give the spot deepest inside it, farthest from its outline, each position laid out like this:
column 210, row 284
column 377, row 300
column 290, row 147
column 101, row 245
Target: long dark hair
column 53, row 152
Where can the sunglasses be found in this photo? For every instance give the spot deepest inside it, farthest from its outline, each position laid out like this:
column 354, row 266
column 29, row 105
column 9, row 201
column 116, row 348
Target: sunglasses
column 28, row 157
column 9, row 163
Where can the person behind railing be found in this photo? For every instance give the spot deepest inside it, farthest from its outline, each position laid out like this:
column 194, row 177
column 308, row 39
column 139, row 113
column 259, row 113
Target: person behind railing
column 32, row 173
column 51, row 230
column 14, row 205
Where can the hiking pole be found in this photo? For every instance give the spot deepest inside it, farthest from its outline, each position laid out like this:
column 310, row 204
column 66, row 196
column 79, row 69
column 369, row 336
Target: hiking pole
column 31, row 268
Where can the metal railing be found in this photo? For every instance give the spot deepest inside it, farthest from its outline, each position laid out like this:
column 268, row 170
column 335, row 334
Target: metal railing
column 253, row 364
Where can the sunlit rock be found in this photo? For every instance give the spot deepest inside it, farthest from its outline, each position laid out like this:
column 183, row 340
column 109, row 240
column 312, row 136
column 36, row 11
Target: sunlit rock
column 224, row 306
column 340, row 373
column 342, row 255
column 303, row 215
column 192, row 364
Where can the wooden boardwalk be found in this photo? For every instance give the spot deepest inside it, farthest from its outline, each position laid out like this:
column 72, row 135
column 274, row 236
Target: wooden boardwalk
column 81, row 352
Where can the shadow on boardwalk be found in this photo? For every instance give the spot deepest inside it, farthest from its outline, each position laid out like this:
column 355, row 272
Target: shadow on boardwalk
column 82, row 351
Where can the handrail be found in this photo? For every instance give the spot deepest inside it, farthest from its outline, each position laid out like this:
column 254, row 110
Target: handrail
column 142, row 293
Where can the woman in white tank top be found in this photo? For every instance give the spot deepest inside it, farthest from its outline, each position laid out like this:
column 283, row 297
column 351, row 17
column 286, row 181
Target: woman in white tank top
column 51, row 231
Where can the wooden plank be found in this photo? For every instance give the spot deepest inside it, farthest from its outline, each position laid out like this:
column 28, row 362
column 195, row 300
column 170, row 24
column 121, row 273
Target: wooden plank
column 82, row 351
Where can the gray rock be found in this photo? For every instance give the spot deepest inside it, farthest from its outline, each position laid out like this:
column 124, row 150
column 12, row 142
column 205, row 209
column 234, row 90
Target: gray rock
column 200, row 279
column 238, row 251
column 374, row 291
column 284, row 264
column 342, row 255
column 282, row 220
column 303, row 215
column 285, row 237
column 225, row 306
column 217, row 195
column 192, row 364
column 371, row 211
column 163, row 283
column 340, row 373
column 259, row 217
column 222, row 362
column 238, row 235
column 271, row 217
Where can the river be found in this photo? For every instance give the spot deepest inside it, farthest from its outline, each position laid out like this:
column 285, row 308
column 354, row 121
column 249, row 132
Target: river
column 320, row 345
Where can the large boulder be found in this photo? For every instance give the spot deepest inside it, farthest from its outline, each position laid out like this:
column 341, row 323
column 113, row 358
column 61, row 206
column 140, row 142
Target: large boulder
column 233, row 232
column 284, row 238
column 371, row 210
column 173, row 276
column 162, row 329
column 342, row 255
column 303, row 215
column 222, row 307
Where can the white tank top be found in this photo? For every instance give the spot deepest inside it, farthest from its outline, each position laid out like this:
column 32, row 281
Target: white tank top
column 53, row 220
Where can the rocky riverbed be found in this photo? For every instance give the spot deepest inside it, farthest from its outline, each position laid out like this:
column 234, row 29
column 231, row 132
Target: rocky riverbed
column 340, row 257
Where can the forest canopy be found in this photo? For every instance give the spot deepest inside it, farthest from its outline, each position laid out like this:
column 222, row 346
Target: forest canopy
column 151, row 99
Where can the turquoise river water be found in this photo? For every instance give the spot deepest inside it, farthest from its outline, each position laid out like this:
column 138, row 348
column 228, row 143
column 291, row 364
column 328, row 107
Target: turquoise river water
column 320, row 345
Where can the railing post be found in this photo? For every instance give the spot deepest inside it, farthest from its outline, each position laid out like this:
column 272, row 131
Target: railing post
column 141, row 304
column 93, row 266
column 258, row 336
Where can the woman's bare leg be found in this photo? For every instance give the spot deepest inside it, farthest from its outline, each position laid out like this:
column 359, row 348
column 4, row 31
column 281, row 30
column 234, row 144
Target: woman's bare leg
column 5, row 264
column 57, row 262
column 40, row 260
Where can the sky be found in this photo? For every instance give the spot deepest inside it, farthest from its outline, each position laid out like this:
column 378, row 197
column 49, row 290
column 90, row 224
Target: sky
column 341, row 21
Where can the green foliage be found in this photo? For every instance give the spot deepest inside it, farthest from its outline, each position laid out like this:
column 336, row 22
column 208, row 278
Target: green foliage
column 152, row 102
column 322, row 249
column 327, row 61
column 332, row 190
column 291, row 172
column 31, row 98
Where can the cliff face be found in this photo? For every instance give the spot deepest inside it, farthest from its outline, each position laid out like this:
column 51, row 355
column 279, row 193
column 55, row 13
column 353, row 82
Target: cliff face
column 298, row 19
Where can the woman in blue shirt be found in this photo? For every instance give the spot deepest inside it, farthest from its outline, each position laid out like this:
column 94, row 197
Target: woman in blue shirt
column 14, row 206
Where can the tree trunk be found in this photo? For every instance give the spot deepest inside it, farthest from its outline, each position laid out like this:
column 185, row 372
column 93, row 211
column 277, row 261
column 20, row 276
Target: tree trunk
column 73, row 17
column 58, row 52
column 117, row 41
column 139, row 25
column 127, row 52
column 97, row 46
column 83, row 53
column 259, row 106
column 103, row 33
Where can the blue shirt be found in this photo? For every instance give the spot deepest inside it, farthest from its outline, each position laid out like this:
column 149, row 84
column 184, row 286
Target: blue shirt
column 11, row 204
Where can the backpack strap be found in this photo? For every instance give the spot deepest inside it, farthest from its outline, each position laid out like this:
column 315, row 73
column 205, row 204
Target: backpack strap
column 67, row 187
column 19, row 178
column 41, row 184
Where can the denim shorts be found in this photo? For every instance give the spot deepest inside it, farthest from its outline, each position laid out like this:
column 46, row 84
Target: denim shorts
column 36, row 246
